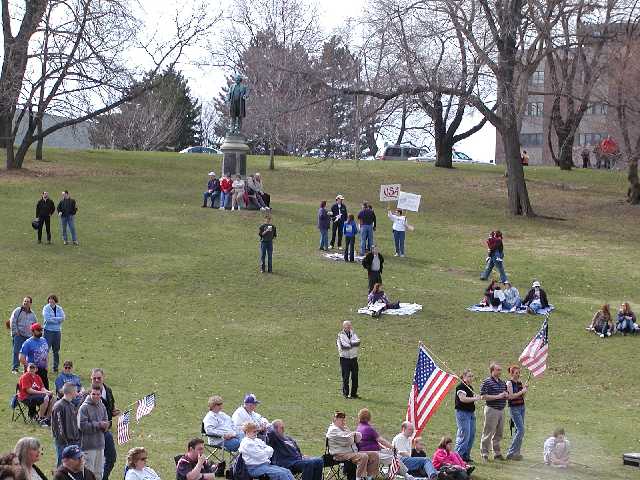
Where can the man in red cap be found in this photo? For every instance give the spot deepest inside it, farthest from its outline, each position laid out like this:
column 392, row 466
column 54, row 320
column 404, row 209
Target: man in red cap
column 36, row 350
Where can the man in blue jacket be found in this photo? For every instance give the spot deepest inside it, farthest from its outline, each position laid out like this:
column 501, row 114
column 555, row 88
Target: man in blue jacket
column 287, row 454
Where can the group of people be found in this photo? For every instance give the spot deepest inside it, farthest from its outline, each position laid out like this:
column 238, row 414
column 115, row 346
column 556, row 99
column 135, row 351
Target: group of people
column 233, row 192
column 67, row 209
column 602, row 323
column 507, row 297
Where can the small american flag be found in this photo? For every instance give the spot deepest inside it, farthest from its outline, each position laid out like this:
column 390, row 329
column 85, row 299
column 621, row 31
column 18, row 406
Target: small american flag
column 145, row 405
column 430, row 387
column 394, row 468
column 123, row 427
column 534, row 356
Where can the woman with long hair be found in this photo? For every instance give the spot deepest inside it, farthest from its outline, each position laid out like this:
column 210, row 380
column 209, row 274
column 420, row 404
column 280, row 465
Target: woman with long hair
column 627, row 322
column 602, row 324
column 28, row 452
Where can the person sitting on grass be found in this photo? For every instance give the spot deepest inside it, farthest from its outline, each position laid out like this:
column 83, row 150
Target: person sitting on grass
column 421, row 467
column 556, row 450
column 536, row 298
column 417, row 448
column 602, row 324
column 257, row 456
column 377, row 295
column 512, row 300
column 491, row 299
column 626, row 320
column 447, row 460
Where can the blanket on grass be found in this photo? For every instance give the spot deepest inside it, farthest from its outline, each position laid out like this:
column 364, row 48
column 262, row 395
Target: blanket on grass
column 481, row 308
column 405, row 309
column 339, row 257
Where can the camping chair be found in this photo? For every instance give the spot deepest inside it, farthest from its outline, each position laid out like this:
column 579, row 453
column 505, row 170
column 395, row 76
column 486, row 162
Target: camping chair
column 216, row 453
column 18, row 408
column 338, row 470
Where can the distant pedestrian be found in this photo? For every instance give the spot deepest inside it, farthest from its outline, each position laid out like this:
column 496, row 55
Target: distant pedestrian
column 20, row 325
column 465, row 406
column 493, row 391
column 399, row 230
column 373, row 263
column 348, row 343
column 267, row 233
column 67, row 210
column 36, row 350
column 517, row 392
column 64, row 420
column 338, row 218
column 324, row 221
column 495, row 256
column 53, row 316
column 350, row 230
column 586, row 163
column 524, row 158
column 367, row 220
column 44, row 209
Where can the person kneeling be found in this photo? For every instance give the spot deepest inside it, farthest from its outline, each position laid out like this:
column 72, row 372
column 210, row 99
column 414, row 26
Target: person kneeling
column 377, row 296
column 287, row 454
column 556, row 450
column 257, row 454
column 450, row 462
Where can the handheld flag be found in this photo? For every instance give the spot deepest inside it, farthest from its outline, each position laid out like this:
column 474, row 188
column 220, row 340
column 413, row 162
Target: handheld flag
column 534, row 356
column 145, row 405
column 123, row 427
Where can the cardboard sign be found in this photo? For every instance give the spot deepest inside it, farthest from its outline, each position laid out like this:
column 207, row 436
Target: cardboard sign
column 409, row 201
column 389, row 193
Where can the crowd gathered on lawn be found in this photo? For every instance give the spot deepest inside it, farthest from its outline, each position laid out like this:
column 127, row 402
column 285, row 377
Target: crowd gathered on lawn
column 81, row 417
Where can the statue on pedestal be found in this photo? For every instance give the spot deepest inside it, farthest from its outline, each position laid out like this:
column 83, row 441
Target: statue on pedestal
column 236, row 98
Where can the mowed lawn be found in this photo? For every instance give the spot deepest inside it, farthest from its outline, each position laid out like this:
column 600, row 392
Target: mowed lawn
column 167, row 297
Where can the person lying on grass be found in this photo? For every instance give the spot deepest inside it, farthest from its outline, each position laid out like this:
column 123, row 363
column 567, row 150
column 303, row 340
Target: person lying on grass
column 377, row 295
column 601, row 323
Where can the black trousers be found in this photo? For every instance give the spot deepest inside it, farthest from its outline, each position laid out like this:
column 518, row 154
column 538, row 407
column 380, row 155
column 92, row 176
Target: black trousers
column 349, row 246
column 336, row 226
column 374, row 277
column 46, row 221
column 349, row 367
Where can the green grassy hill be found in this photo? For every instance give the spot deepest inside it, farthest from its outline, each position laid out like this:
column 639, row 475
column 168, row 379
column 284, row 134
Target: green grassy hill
column 167, row 297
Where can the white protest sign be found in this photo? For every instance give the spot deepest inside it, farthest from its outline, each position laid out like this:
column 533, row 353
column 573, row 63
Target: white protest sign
column 409, row 201
column 389, row 193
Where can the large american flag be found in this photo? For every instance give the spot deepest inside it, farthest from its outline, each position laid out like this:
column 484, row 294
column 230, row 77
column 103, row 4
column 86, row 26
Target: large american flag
column 534, row 356
column 430, row 387
column 123, row 427
column 145, row 405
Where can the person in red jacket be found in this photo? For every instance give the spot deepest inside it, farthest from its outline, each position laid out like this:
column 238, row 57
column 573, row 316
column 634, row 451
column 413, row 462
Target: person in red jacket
column 31, row 392
column 226, row 186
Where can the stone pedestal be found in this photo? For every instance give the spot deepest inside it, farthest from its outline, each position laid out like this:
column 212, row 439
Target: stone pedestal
column 234, row 159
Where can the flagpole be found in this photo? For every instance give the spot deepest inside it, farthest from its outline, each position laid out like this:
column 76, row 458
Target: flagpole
column 421, row 344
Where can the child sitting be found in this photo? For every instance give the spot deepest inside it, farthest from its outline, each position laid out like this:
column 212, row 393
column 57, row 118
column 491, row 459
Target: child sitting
column 556, row 450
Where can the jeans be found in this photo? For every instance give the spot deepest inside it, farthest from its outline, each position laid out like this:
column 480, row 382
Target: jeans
column 18, row 340
column 266, row 249
column 53, row 339
column 494, row 261
column 414, row 464
column 466, row 422
column 349, row 246
column 232, row 444
column 311, row 468
column 517, row 415
column 366, row 238
column 398, row 240
column 274, row 472
column 508, row 306
column 324, row 238
column 110, row 455
column 212, row 196
column 68, row 221
column 44, row 222
column 535, row 306
column 626, row 326
column 349, row 367
column 224, row 199
column 336, row 227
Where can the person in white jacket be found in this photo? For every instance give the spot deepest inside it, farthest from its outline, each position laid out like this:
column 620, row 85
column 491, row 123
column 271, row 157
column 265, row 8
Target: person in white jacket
column 219, row 426
column 246, row 413
column 348, row 343
column 257, row 454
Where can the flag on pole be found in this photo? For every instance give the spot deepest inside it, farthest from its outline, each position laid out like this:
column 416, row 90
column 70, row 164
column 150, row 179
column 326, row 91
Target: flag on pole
column 394, row 468
column 145, row 405
column 430, row 387
column 534, row 355
column 123, row 427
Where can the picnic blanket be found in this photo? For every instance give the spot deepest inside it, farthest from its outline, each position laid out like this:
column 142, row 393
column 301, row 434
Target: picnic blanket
column 481, row 308
column 405, row 309
column 339, row 257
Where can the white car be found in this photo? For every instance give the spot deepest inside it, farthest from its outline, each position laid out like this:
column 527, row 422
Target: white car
column 209, row 150
column 458, row 157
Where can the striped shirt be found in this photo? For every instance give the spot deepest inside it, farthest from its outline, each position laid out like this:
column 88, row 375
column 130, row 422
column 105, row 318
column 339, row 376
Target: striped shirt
column 491, row 386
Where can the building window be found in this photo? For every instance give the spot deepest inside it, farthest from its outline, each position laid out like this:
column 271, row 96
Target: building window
column 533, row 109
column 596, row 108
column 590, row 139
column 537, row 78
column 530, row 139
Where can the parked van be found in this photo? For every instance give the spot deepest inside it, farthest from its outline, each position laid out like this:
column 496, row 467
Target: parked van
column 397, row 152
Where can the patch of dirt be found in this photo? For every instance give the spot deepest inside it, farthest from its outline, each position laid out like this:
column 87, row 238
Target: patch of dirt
column 47, row 169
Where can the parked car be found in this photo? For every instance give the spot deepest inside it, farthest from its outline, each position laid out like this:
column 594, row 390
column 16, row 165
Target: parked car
column 457, row 157
column 397, row 152
column 199, row 149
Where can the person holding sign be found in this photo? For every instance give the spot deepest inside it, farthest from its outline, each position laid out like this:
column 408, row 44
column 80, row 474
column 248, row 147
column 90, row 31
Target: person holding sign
column 399, row 230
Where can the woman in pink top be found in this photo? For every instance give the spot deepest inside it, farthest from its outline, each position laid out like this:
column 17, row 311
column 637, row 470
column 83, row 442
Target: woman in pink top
column 445, row 456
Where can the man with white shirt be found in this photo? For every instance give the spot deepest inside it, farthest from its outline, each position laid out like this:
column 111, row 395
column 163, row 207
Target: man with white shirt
column 219, row 427
column 246, row 413
column 348, row 343
column 416, row 465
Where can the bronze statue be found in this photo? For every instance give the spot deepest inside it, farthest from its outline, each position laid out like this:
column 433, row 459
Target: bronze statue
column 236, row 97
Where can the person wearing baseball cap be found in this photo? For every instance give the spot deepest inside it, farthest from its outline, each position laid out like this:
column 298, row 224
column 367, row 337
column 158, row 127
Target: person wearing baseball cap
column 536, row 298
column 36, row 350
column 32, row 392
column 73, row 465
column 338, row 217
column 246, row 413
column 213, row 190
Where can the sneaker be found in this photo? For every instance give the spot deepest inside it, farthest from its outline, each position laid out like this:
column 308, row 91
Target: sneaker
column 395, row 254
column 66, row 243
column 221, row 208
column 355, row 395
column 75, row 242
column 330, row 247
column 14, row 371
column 402, row 255
column 608, row 334
column 602, row 335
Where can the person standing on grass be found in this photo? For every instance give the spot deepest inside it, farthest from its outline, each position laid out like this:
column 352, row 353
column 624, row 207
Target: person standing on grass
column 36, row 350
column 267, row 233
column 399, row 230
column 493, row 391
column 348, row 343
column 20, row 325
column 323, row 225
column 350, row 230
column 373, row 263
column 213, row 190
column 465, row 406
column 339, row 217
column 106, row 395
column 367, row 219
column 516, row 391
column 237, row 193
column 53, row 317
column 93, row 423
column 67, row 209
column 44, row 209
column 64, row 420
column 495, row 256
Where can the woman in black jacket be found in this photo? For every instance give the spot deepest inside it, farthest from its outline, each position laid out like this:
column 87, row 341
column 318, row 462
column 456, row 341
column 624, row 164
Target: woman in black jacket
column 373, row 263
column 536, row 298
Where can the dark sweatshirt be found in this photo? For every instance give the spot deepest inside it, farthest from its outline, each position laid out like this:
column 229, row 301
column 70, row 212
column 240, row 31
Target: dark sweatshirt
column 45, row 208
column 67, row 207
column 64, row 423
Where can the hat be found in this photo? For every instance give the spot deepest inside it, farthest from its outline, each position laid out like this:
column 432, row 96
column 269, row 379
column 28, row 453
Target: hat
column 251, row 398
column 339, row 197
column 36, row 326
column 506, row 282
column 72, row 451
column 535, row 284
column 212, row 174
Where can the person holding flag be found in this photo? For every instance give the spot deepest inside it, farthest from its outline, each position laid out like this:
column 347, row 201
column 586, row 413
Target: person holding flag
column 516, row 391
column 465, row 406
